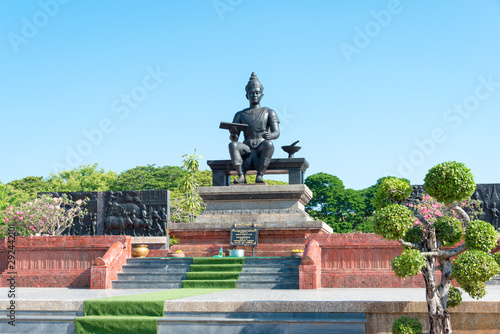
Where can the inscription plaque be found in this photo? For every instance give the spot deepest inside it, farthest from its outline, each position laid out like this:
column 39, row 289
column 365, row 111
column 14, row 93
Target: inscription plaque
column 244, row 236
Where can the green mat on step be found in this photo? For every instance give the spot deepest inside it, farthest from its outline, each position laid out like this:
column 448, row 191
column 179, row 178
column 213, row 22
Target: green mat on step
column 136, row 313
column 217, row 275
column 207, row 284
column 142, row 304
column 122, row 325
column 218, row 272
column 216, row 267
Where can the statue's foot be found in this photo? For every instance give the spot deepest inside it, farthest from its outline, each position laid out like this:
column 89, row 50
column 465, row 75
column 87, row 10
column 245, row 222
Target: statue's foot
column 241, row 180
column 259, row 179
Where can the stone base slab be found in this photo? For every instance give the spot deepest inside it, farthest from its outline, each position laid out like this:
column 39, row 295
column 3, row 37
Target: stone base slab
column 470, row 317
column 255, row 204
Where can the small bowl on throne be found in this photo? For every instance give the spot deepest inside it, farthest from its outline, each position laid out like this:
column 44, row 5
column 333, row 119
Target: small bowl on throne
column 291, row 150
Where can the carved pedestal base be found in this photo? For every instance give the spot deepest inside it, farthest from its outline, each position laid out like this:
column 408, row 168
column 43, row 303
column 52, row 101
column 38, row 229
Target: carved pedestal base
column 262, row 204
column 278, row 212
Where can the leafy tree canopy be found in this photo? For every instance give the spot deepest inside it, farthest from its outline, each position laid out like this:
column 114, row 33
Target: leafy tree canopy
column 83, row 178
column 23, row 190
column 341, row 208
column 149, row 177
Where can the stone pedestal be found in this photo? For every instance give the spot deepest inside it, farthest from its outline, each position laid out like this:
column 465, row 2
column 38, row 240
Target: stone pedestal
column 278, row 212
column 238, row 204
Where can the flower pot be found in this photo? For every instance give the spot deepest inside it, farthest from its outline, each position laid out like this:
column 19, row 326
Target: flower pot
column 177, row 255
column 297, row 254
column 140, row 250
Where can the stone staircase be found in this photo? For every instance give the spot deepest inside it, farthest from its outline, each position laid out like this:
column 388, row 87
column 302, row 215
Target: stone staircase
column 168, row 273
column 153, row 273
column 269, row 273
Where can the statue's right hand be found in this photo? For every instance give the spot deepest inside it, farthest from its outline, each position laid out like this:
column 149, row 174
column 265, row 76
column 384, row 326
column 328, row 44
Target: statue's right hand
column 234, row 130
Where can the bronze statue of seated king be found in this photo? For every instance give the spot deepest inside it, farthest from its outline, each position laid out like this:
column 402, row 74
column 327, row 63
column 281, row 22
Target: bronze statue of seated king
column 260, row 125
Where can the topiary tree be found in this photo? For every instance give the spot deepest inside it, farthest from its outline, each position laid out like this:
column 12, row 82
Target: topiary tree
column 406, row 325
column 423, row 229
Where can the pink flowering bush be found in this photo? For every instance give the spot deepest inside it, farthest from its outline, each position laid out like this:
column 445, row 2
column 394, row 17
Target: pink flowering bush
column 45, row 215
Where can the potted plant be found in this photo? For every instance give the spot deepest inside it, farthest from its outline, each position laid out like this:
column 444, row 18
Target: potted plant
column 178, row 253
column 297, row 253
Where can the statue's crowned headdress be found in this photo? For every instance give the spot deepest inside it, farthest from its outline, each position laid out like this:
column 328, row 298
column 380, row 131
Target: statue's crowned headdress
column 254, row 82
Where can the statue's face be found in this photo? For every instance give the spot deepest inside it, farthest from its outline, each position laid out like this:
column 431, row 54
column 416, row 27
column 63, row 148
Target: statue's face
column 254, row 95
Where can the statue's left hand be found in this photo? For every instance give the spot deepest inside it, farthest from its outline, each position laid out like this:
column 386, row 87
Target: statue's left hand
column 266, row 135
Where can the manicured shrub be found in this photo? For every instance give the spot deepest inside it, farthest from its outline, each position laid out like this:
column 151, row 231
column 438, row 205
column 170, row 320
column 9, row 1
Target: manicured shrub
column 414, row 235
column 392, row 221
column 449, row 230
column 480, row 235
column 406, row 325
column 449, row 181
column 391, row 190
column 472, row 268
column 408, row 263
column 454, row 297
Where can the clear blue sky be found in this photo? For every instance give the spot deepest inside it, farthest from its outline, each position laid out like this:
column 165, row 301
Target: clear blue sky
column 370, row 88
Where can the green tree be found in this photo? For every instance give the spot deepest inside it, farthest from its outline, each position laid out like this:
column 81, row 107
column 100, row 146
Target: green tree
column 341, row 208
column 3, row 197
column 83, row 178
column 425, row 228
column 191, row 202
column 149, row 177
column 251, row 179
column 25, row 189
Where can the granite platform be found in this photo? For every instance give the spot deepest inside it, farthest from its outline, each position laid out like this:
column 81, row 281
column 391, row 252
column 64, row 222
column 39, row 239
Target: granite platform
column 255, row 204
column 322, row 310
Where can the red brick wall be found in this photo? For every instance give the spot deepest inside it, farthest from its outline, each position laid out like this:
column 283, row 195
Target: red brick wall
column 360, row 260
column 62, row 261
column 208, row 243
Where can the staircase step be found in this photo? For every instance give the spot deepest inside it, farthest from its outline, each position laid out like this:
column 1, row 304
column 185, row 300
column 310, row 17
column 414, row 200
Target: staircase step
column 158, row 269
column 146, row 285
column 266, row 285
column 271, row 277
column 156, row 277
column 168, row 273
column 282, row 261
column 270, row 269
column 152, row 261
